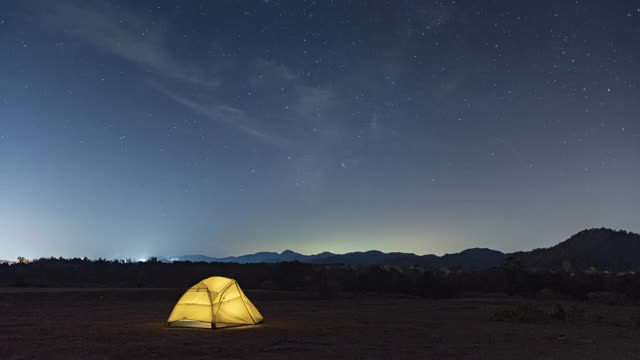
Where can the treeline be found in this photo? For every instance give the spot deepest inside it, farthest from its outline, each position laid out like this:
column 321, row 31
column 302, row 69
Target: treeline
column 326, row 281
column 60, row 272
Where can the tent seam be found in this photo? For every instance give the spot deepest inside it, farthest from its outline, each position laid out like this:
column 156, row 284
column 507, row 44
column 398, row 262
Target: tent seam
column 244, row 303
column 213, row 319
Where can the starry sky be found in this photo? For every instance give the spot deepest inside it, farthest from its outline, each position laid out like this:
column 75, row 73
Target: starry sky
column 228, row 127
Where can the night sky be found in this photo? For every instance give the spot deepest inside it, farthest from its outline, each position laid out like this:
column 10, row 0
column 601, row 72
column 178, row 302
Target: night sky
column 228, row 127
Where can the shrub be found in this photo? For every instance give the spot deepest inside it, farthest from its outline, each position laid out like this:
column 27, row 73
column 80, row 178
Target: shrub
column 526, row 313
column 607, row 297
column 575, row 313
column 558, row 313
column 597, row 319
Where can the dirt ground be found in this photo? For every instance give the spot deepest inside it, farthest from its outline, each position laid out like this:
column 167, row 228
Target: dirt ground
column 123, row 324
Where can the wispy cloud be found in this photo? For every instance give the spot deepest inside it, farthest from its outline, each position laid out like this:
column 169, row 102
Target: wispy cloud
column 226, row 114
column 313, row 99
column 301, row 112
column 135, row 38
column 143, row 40
column 274, row 69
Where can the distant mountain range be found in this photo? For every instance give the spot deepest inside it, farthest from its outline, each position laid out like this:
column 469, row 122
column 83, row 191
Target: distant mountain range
column 471, row 258
column 602, row 249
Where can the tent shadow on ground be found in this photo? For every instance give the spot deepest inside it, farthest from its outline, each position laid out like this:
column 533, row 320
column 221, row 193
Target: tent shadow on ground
column 225, row 329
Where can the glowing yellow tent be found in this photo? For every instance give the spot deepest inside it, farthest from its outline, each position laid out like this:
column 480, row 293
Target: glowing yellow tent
column 215, row 302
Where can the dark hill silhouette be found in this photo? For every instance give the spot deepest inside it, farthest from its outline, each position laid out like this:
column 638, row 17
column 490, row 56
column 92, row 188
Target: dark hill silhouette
column 477, row 258
column 259, row 257
column 600, row 249
column 467, row 259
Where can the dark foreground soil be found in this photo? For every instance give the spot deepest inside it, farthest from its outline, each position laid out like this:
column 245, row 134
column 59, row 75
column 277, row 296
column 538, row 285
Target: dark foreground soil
column 130, row 324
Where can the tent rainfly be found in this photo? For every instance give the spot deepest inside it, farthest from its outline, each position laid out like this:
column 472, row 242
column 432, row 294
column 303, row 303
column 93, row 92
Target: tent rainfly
column 215, row 302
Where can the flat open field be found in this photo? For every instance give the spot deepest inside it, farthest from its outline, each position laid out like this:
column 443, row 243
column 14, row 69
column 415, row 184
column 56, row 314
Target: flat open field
column 124, row 324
